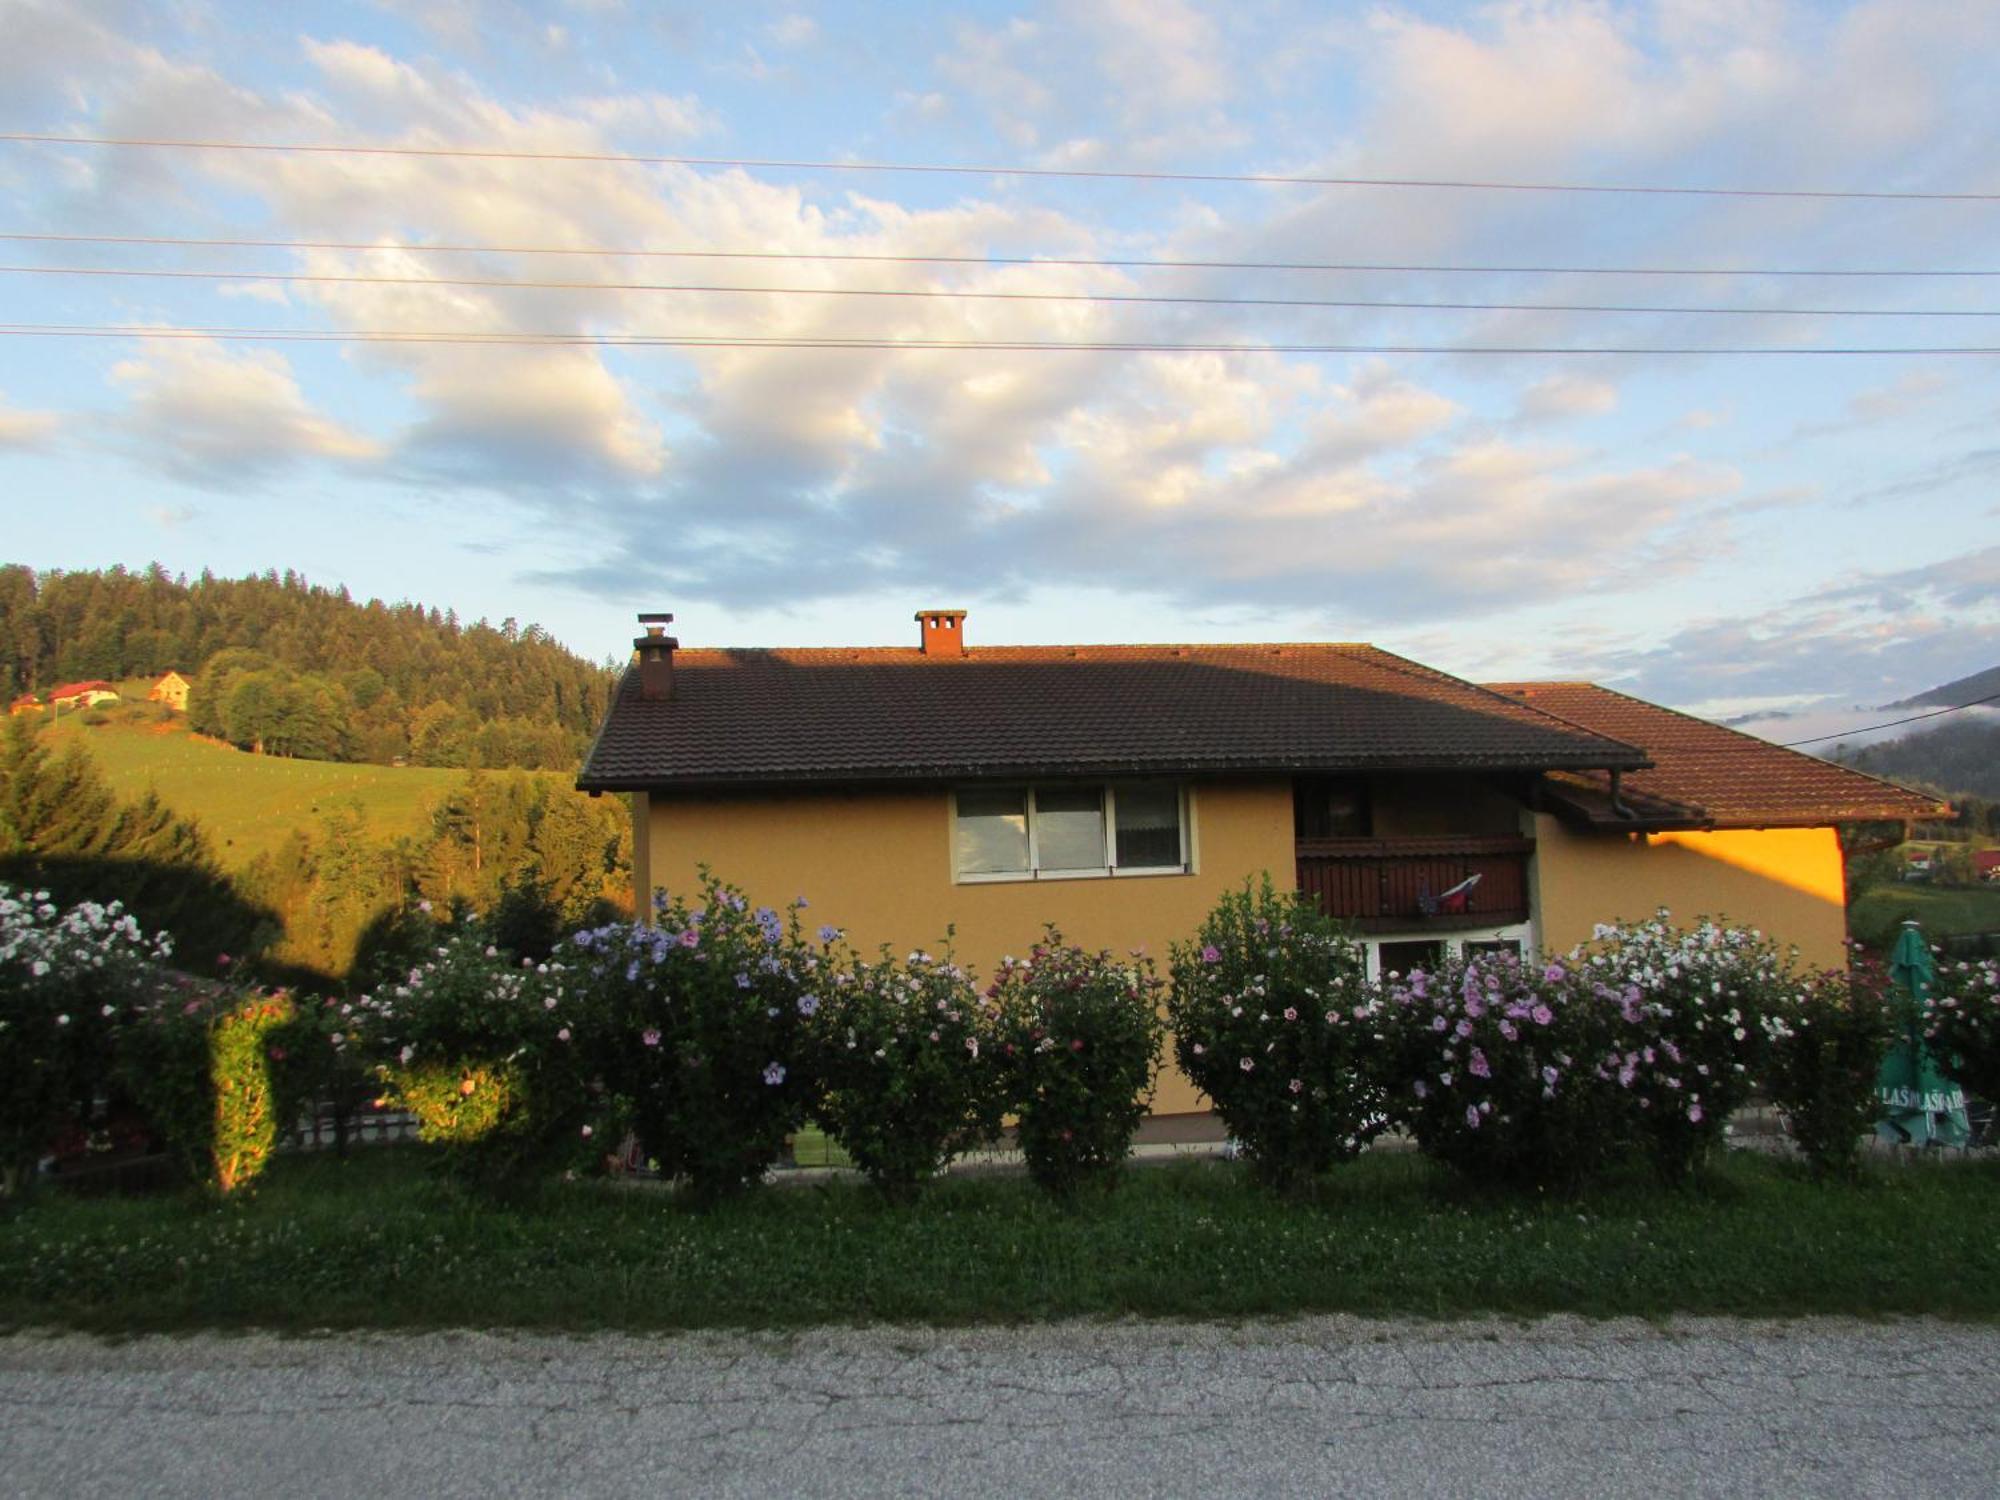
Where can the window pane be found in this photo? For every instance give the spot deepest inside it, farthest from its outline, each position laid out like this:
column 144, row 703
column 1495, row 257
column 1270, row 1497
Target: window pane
column 1149, row 826
column 1400, row 958
column 1494, row 945
column 1331, row 808
column 993, row 831
column 1069, row 827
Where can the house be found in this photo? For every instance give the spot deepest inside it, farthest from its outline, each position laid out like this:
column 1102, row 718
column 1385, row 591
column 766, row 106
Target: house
column 82, row 694
column 1919, row 864
column 172, row 690
column 27, row 703
column 1118, row 791
column 1986, row 866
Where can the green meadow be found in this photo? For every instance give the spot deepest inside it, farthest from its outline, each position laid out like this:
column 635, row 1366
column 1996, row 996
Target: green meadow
column 248, row 804
column 1943, row 911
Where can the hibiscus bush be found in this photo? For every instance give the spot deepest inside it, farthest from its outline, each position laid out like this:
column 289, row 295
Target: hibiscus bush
column 1081, row 1034
column 1499, row 1069
column 1690, row 1038
column 483, row 1051
column 68, row 979
column 700, row 1026
column 1961, row 1021
column 1827, row 1039
column 202, row 1062
column 909, row 1069
column 1274, row 1019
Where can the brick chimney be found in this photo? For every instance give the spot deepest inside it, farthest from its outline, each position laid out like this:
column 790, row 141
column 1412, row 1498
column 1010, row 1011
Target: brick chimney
column 656, row 657
column 943, row 631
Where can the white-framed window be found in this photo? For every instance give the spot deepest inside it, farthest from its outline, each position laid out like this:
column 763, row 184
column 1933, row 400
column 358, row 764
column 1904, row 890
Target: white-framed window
column 1398, row 953
column 1069, row 830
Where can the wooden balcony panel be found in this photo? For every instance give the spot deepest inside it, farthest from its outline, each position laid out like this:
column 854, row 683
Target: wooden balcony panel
column 1379, row 884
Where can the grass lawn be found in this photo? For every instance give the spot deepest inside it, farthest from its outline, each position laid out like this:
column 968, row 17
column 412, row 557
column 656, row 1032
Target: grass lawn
column 378, row 1242
column 249, row 804
column 1876, row 914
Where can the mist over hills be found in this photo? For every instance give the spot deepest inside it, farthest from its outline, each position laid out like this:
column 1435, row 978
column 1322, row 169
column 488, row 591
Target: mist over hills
column 1964, row 690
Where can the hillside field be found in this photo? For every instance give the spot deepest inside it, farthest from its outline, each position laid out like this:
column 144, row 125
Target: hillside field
column 1942, row 911
column 248, row 804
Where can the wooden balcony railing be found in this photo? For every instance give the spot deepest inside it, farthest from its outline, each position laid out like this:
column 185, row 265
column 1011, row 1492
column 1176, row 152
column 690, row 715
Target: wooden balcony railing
column 1386, row 885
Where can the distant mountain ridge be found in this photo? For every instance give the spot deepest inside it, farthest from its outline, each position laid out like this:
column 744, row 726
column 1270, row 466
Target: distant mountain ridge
column 1964, row 690
column 1958, row 754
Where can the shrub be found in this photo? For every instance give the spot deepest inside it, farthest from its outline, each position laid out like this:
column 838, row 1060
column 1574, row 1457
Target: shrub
column 1827, row 1041
column 1081, row 1033
column 249, row 1108
column 484, row 1053
column 1498, row 1070
column 1961, row 1021
column 329, row 1053
column 1690, row 1035
column 700, row 1029
column 909, row 1068
column 202, row 1064
column 1273, row 1018
column 67, row 978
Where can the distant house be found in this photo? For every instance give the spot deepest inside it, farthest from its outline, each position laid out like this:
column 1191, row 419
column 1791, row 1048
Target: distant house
column 1986, row 865
column 1919, row 864
column 82, row 694
column 1120, row 790
column 27, row 703
column 171, row 690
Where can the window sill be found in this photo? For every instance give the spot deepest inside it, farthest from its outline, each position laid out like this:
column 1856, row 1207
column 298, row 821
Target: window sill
column 1038, row 877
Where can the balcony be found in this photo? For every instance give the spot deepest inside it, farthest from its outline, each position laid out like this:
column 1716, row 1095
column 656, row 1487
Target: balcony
column 1399, row 885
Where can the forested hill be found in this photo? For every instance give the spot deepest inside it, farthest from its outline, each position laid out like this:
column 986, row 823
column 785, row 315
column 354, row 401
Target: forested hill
column 1964, row 690
column 1958, row 757
column 290, row 668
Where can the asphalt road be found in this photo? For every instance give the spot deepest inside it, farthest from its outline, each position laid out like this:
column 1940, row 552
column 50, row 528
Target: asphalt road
column 1314, row 1407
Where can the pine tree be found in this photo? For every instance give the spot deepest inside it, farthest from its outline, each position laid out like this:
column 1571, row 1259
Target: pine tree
column 62, row 828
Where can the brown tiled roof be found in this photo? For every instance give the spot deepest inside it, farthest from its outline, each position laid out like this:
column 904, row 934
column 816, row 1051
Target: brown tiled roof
column 1706, row 776
column 784, row 716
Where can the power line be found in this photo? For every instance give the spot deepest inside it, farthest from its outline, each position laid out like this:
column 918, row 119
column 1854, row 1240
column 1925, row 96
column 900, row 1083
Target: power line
column 981, row 294
column 1119, row 263
column 1892, row 724
column 890, row 342
column 1099, row 174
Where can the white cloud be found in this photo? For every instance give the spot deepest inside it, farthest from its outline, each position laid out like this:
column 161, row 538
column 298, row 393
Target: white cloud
column 272, row 292
column 1909, row 391
column 995, row 68
column 1352, row 494
column 1869, row 638
column 521, row 417
column 1163, row 57
column 25, row 429
column 794, row 30
column 212, row 415
column 1558, row 397
column 172, row 517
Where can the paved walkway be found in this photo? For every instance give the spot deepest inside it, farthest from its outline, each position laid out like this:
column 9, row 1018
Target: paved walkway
column 1315, row 1407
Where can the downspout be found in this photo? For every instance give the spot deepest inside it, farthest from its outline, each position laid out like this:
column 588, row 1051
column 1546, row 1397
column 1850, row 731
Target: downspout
column 1617, row 802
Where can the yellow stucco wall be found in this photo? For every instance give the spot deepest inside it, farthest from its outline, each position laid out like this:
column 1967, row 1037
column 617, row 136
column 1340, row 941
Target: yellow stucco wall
column 1786, row 881
column 879, row 865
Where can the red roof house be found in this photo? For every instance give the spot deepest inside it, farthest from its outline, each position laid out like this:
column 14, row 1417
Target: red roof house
column 1119, row 790
column 82, row 694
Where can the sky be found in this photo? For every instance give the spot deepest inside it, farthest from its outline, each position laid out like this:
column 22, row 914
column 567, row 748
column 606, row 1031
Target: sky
column 1777, row 534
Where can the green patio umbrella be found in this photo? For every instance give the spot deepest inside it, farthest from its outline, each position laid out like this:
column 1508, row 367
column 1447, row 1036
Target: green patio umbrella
column 1920, row 1106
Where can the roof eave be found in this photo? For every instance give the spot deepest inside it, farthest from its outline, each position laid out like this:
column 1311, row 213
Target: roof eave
column 989, row 771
